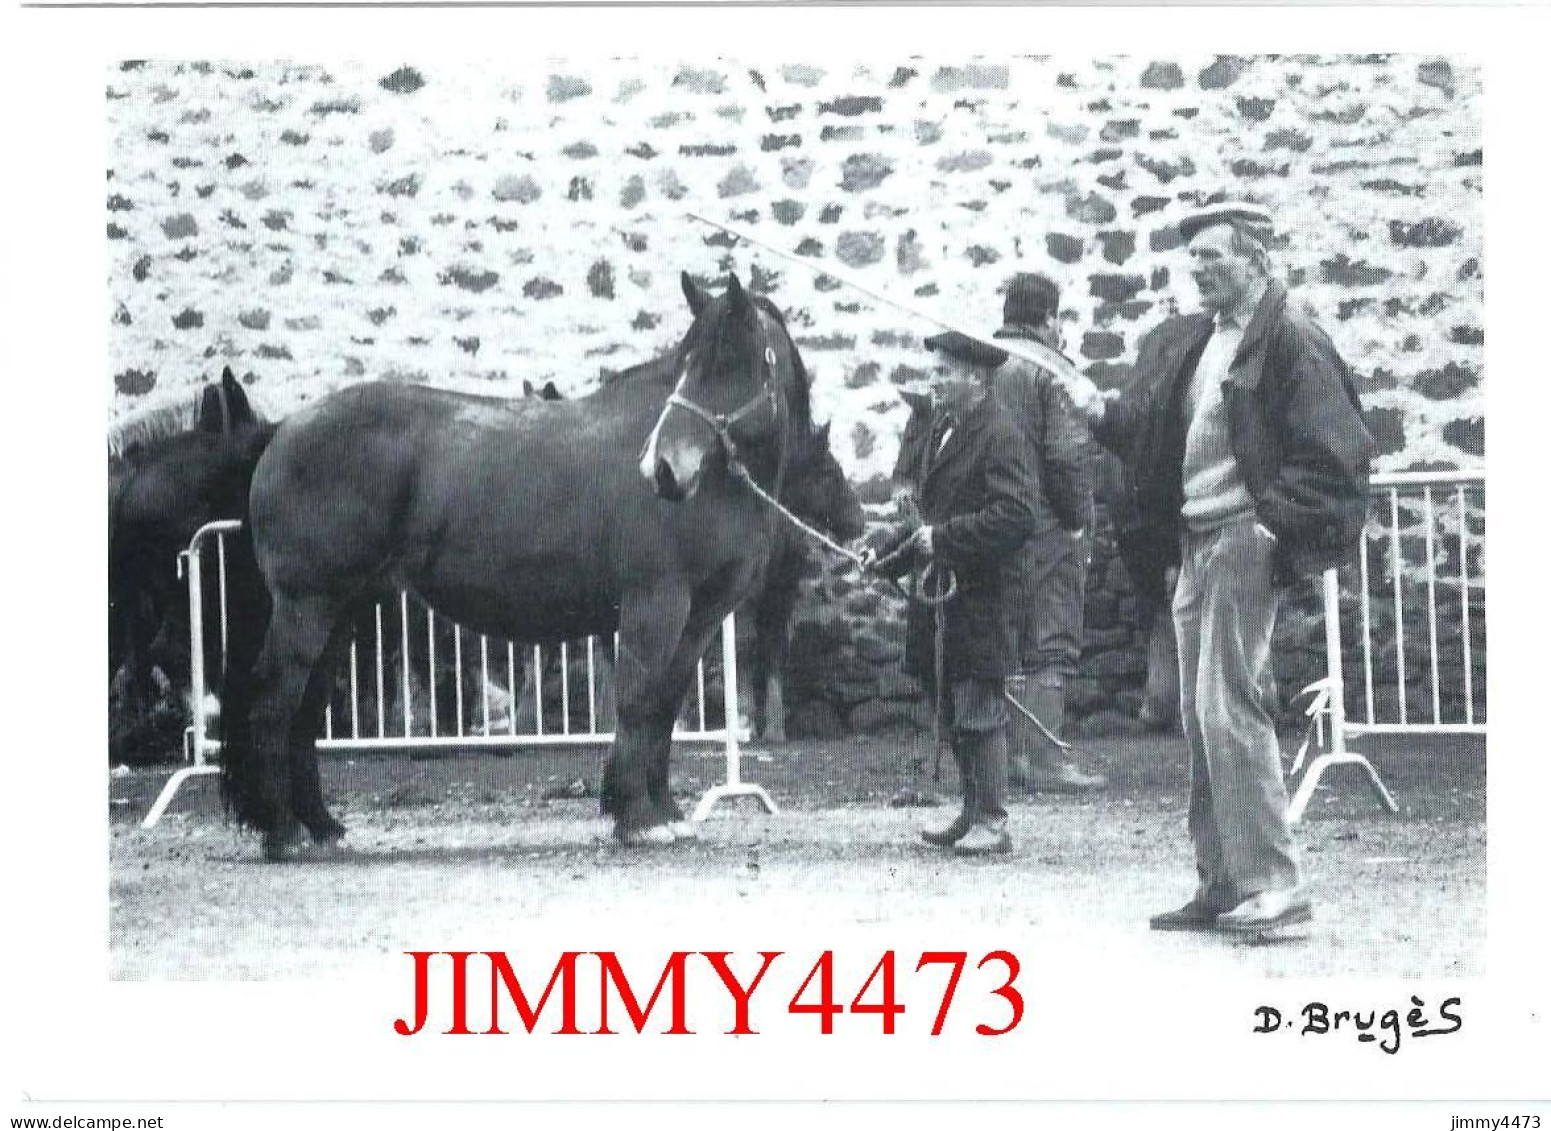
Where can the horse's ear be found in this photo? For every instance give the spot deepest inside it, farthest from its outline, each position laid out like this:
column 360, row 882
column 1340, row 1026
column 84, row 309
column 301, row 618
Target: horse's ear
column 527, row 387
column 210, row 415
column 236, row 400
column 698, row 299
column 823, row 433
column 737, row 297
column 917, row 401
column 550, row 393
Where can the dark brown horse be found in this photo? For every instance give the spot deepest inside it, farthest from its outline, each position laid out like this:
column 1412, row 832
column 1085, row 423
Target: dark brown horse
column 530, row 519
column 819, row 494
column 170, row 471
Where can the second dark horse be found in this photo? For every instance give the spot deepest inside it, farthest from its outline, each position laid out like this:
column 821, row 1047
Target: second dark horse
column 534, row 520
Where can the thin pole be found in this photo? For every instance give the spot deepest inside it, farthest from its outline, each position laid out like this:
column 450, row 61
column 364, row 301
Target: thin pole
column 1036, row 353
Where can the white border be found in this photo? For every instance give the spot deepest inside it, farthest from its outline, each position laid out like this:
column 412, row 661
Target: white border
column 68, row 1032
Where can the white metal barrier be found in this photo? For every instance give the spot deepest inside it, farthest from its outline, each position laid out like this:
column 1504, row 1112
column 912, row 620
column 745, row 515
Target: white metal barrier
column 1419, row 598
column 362, row 714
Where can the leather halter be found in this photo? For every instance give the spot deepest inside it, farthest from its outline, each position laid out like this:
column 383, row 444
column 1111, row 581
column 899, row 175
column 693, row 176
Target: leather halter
column 722, row 423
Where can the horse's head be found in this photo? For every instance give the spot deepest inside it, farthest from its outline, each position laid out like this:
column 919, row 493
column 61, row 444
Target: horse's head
column 739, row 391
column 817, row 491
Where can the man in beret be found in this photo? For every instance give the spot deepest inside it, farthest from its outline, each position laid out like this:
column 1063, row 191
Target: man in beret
column 975, row 486
column 1246, row 449
column 1047, row 578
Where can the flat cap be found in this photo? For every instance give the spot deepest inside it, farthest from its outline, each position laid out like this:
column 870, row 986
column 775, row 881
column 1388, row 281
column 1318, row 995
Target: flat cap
column 1256, row 218
column 964, row 348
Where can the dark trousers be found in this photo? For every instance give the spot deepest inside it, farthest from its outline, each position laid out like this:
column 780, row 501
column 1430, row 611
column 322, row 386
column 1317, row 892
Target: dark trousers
column 978, row 719
column 1045, row 606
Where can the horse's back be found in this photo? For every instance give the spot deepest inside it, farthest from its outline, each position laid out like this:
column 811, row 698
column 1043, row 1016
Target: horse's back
column 484, row 506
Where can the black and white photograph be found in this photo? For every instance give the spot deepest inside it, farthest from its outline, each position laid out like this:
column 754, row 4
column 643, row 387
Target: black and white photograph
column 510, row 390
column 951, row 547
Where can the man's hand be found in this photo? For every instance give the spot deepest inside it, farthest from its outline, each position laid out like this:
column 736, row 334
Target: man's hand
column 1085, row 396
column 903, row 550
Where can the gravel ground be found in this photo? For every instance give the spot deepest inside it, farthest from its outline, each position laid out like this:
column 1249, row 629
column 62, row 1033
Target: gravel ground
column 450, row 847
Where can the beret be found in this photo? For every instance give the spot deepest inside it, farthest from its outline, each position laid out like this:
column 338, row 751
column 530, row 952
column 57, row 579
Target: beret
column 965, row 348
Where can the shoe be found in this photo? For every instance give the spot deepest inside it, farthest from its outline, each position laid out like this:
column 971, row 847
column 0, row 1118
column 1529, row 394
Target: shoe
column 951, row 834
column 1266, row 911
column 1194, row 916
column 985, row 838
column 1061, row 777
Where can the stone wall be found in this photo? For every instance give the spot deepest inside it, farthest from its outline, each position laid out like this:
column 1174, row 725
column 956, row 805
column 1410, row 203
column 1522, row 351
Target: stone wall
column 314, row 226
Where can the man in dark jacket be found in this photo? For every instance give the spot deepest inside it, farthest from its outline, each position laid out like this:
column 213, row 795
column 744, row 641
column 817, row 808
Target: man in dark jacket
column 1047, row 578
column 1248, row 457
column 976, row 487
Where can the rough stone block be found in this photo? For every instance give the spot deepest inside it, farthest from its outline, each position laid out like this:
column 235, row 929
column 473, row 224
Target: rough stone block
column 1115, row 288
column 859, row 249
column 1437, row 73
column 1118, row 246
column 1434, row 231
column 1344, row 271
column 1387, row 426
column 405, row 80
column 1164, row 169
column 1255, row 109
column 1162, row 76
column 976, row 76
column 1223, row 72
column 852, row 105
column 1090, row 209
column 1120, row 130
column 1102, row 345
column 179, row 227
column 135, row 382
column 862, row 171
column 1063, row 248
column 1446, row 382
column 1295, row 140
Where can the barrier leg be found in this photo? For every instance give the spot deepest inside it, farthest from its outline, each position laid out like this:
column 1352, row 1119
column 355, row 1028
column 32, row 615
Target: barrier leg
column 164, row 798
column 1338, row 754
column 734, row 786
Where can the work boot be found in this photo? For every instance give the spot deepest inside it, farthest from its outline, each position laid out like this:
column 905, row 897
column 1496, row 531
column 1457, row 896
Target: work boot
column 1049, row 770
column 952, row 833
column 985, row 752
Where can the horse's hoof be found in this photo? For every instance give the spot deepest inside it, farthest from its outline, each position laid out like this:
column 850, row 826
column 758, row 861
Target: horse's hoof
column 328, row 848
column 684, row 830
column 282, row 848
column 652, row 836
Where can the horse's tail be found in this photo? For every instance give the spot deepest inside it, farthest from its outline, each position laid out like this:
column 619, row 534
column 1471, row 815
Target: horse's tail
column 242, row 778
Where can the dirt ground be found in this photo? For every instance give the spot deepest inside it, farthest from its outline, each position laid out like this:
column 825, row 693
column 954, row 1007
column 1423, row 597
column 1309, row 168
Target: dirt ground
column 447, row 847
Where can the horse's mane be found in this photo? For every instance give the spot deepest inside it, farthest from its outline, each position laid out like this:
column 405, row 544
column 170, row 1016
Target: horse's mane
column 154, row 425
column 800, row 404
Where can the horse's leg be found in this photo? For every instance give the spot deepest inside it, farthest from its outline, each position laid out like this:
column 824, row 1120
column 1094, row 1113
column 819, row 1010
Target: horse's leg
column 651, row 626
column 306, row 785
column 299, row 632
column 772, row 637
column 699, row 631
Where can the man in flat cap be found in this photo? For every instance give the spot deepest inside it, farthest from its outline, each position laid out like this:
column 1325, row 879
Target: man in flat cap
column 1245, row 445
column 1047, row 578
column 975, row 485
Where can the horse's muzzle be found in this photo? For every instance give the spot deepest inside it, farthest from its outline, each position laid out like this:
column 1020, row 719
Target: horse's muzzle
column 666, row 483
